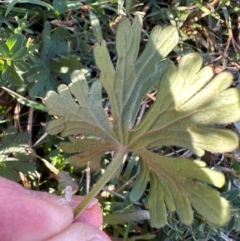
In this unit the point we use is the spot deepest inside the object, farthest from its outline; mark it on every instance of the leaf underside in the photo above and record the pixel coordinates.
(189, 104)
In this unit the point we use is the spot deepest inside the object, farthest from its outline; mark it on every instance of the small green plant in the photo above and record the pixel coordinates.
(49, 64)
(190, 101)
(13, 52)
(14, 154)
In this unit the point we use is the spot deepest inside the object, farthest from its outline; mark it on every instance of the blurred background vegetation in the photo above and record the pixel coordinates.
(43, 42)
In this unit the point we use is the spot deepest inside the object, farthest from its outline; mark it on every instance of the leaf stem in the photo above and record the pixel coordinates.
(107, 176)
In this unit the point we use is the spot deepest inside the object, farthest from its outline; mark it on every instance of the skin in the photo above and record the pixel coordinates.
(37, 216)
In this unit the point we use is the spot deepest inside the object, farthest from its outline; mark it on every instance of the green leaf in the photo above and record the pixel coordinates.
(126, 216)
(155, 203)
(96, 27)
(49, 68)
(141, 183)
(6, 73)
(14, 43)
(190, 101)
(22, 66)
(42, 80)
(128, 84)
(231, 194)
(74, 5)
(187, 103)
(46, 38)
(15, 78)
(19, 54)
(11, 168)
(177, 181)
(64, 67)
(25, 101)
(2, 64)
(147, 236)
(36, 2)
(4, 51)
(60, 6)
(86, 151)
(53, 44)
(14, 156)
(87, 117)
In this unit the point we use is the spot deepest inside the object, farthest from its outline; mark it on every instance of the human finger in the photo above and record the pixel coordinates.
(92, 214)
(29, 215)
(80, 232)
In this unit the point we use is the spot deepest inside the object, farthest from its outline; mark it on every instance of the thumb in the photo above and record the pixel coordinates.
(81, 232)
(29, 215)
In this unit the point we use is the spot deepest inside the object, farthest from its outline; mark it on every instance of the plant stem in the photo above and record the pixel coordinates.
(107, 176)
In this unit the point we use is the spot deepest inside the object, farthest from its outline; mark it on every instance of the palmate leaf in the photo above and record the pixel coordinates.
(43, 76)
(88, 150)
(189, 99)
(14, 157)
(87, 117)
(128, 84)
(189, 102)
(174, 182)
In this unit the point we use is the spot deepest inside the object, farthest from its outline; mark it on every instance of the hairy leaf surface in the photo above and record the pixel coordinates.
(190, 102)
(88, 150)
